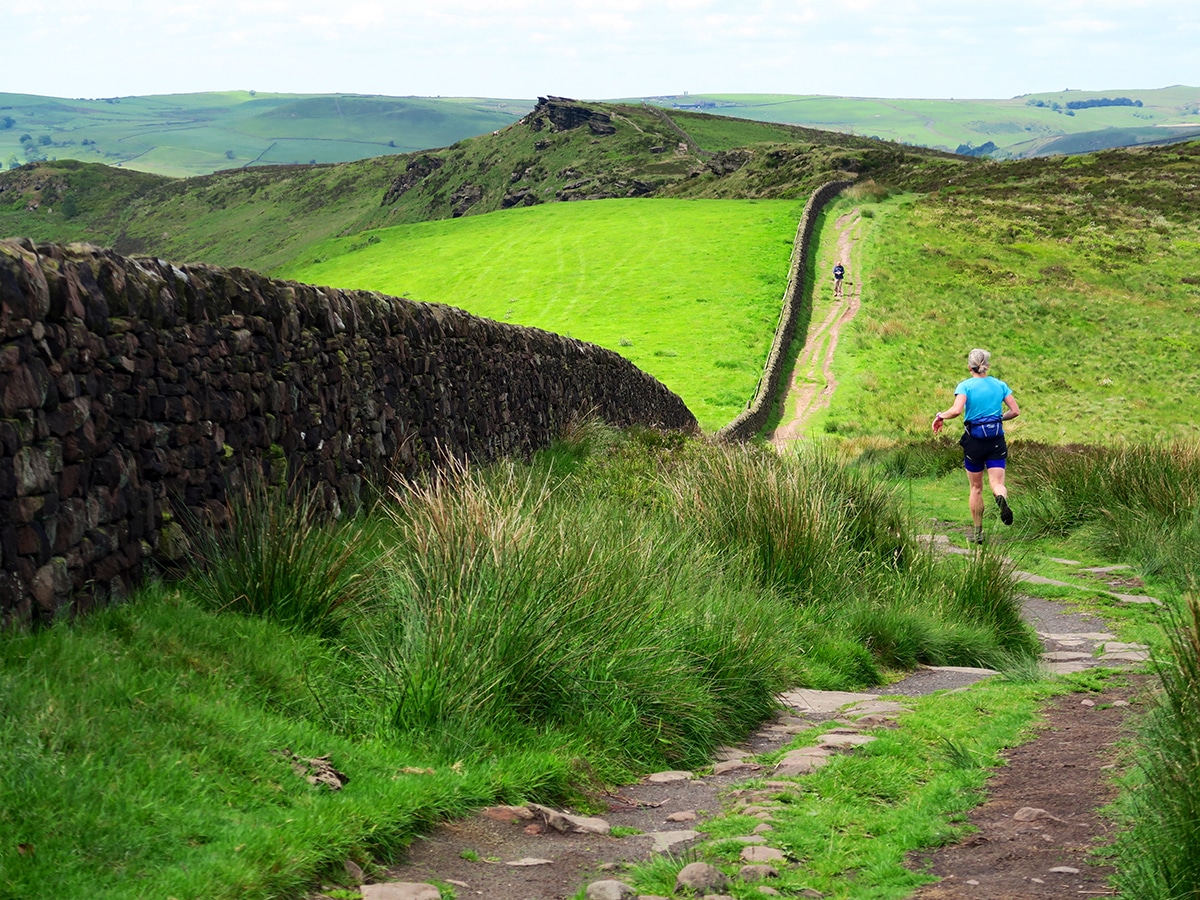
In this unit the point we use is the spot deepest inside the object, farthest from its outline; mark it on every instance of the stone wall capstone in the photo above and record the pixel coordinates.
(750, 421)
(130, 388)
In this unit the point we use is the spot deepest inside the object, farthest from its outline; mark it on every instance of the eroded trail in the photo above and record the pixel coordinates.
(812, 382)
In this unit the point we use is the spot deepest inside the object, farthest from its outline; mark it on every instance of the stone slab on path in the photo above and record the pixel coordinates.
(810, 702)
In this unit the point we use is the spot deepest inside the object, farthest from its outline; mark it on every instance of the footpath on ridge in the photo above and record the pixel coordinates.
(811, 384)
(1036, 831)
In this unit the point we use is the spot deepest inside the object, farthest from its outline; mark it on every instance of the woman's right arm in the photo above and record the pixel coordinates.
(960, 402)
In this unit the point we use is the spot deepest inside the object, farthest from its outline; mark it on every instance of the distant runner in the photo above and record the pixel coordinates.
(986, 403)
(839, 272)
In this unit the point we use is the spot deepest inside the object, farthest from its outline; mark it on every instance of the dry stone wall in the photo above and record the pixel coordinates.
(130, 388)
(750, 421)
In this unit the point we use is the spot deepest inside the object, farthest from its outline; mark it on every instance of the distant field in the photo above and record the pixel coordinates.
(688, 290)
(193, 134)
(1013, 125)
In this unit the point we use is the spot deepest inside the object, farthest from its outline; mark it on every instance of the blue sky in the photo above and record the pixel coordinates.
(598, 50)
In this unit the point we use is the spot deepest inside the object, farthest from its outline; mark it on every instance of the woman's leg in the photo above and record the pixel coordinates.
(975, 480)
(996, 482)
(1000, 492)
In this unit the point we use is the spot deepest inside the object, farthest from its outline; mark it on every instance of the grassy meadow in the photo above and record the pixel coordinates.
(526, 631)
(1089, 306)
(688, 290)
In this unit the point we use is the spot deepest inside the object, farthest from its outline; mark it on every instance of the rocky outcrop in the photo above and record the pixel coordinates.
(594, 189)
(564, 114)
(133, 390)
(463, 198)
(728, 161)
(522, 197)
(417, 170)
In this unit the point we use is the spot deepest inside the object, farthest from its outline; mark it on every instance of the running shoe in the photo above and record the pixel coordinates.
(1006, 515)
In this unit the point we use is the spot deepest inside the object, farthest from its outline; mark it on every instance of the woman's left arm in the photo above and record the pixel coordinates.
(1013, 410)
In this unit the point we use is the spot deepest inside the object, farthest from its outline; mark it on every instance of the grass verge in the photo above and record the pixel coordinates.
(533, 630)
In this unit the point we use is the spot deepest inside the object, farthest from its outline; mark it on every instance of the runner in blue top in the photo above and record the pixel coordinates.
(839, 272)
(985, 404)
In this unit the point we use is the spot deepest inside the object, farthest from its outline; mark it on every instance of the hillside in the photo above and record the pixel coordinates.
(195, 134)
(1028, 125)
(1030, 244)
(1081, 274)
(264, 217)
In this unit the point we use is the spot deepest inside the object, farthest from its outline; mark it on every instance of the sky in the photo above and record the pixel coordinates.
(598, 49)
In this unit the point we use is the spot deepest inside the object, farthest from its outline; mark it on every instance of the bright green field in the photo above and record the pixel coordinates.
(687, 290)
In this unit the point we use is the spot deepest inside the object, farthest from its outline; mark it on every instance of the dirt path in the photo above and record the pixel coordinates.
(1062, 776)
(812, 383)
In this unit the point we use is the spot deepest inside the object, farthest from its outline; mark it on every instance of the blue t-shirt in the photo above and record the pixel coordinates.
(985, 398)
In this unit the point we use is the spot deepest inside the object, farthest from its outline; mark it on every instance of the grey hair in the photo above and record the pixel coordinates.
(979, 360)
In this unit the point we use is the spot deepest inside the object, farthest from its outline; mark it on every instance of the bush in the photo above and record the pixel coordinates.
(511, 610)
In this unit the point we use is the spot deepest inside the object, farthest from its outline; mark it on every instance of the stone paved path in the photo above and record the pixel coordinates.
(533, 853)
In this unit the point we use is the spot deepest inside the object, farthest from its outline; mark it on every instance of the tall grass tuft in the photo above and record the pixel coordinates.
(1137, 502)
(1161, 852)
(279, 557)
(1087, 483)
(512, 610)
(984, 591)
(806, 526)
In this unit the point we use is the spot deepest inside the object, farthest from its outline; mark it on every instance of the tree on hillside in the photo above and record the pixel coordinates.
(7, 122)
(45, 140)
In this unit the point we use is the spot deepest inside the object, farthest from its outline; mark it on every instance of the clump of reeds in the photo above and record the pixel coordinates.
(1160, 854)
(512, 609)
(277, 554)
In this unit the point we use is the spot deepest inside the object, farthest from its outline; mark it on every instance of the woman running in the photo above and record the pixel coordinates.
(985, 403)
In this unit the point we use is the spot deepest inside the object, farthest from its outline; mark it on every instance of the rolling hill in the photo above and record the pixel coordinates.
(195, 134)
(265, 216)
(1028, 125)
(1029, 240)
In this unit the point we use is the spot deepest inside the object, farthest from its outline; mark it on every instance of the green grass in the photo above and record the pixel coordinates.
(689, 291)
(142, 754)
(1013, 124)
(1159, 850)
(532, 631)
(850, 829)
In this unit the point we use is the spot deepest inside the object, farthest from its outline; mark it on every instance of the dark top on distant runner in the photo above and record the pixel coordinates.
(838, 271)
